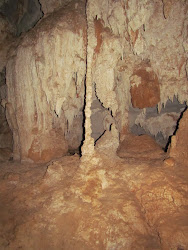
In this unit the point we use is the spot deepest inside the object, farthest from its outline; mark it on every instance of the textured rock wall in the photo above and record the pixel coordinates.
(45, 79)
(22, 15)
(5, 132)
(140, 60)
(5, 42)
(179, 144)
(49, 6)
(141, 55)
(6, 31)
(162, 40)
(159, 125)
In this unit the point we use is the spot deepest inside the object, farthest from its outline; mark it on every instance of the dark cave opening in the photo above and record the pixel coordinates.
(159, 125)
(176, 129)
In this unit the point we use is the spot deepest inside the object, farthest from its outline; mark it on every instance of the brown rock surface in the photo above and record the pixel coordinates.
(6, 139)
(145, 89)
(179, 142)
(142, 146)
(140, 43)
(5, 154)
(131, 203)
(48, 6)
(6, 31)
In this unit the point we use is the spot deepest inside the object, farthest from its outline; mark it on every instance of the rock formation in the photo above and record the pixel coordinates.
(49, 6)
(5, 132)
(87, 76)
(22, 15)
(6, 36)
(179, 142)
(46, 95)
(88, 146)
(139, 61)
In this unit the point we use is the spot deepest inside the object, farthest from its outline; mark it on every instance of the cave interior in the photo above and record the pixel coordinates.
(94, 124)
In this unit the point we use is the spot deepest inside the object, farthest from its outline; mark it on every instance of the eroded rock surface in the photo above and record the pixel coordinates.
(138, 201)
(132, 203)
(140, 60)
(179, 142)
(49, 6)
(160, 125)
(6, 31)
(46, 95)
(6, 139)
(145, 88)
(22, 15)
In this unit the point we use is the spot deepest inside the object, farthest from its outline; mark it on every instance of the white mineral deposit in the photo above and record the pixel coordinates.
(93, 124)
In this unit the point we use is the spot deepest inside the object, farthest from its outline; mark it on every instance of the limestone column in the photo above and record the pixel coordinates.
(88, 145)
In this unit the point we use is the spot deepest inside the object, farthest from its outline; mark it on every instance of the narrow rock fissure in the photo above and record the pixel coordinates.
(90, 90)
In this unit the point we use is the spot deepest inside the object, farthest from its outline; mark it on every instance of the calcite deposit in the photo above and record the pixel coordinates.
(46, 95)
(96, 98)
(139, 59)
(137, 202)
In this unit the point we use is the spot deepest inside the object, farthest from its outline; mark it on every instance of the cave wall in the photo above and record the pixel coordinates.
(22, 15)
(178, 148)
(6, 139)
(49, 6)
(6, 35)
(161, 126)
(140, 61)
(45, 78)
(143, 55)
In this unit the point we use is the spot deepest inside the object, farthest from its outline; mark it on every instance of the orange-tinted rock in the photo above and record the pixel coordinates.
(139, 146)
(170, 162)
(145, 89)
(98, 30)
(45, 148)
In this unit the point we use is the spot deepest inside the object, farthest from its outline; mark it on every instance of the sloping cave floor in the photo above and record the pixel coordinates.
(132, 201)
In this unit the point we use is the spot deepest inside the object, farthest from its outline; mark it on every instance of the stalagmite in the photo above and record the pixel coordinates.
(117, 61)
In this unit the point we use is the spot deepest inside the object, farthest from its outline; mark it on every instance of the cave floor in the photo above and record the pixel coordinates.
(132, 202)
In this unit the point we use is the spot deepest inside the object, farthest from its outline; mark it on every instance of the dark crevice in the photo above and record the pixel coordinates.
(163, 9)
(172, 110)
(177, 127)
(83, 121)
